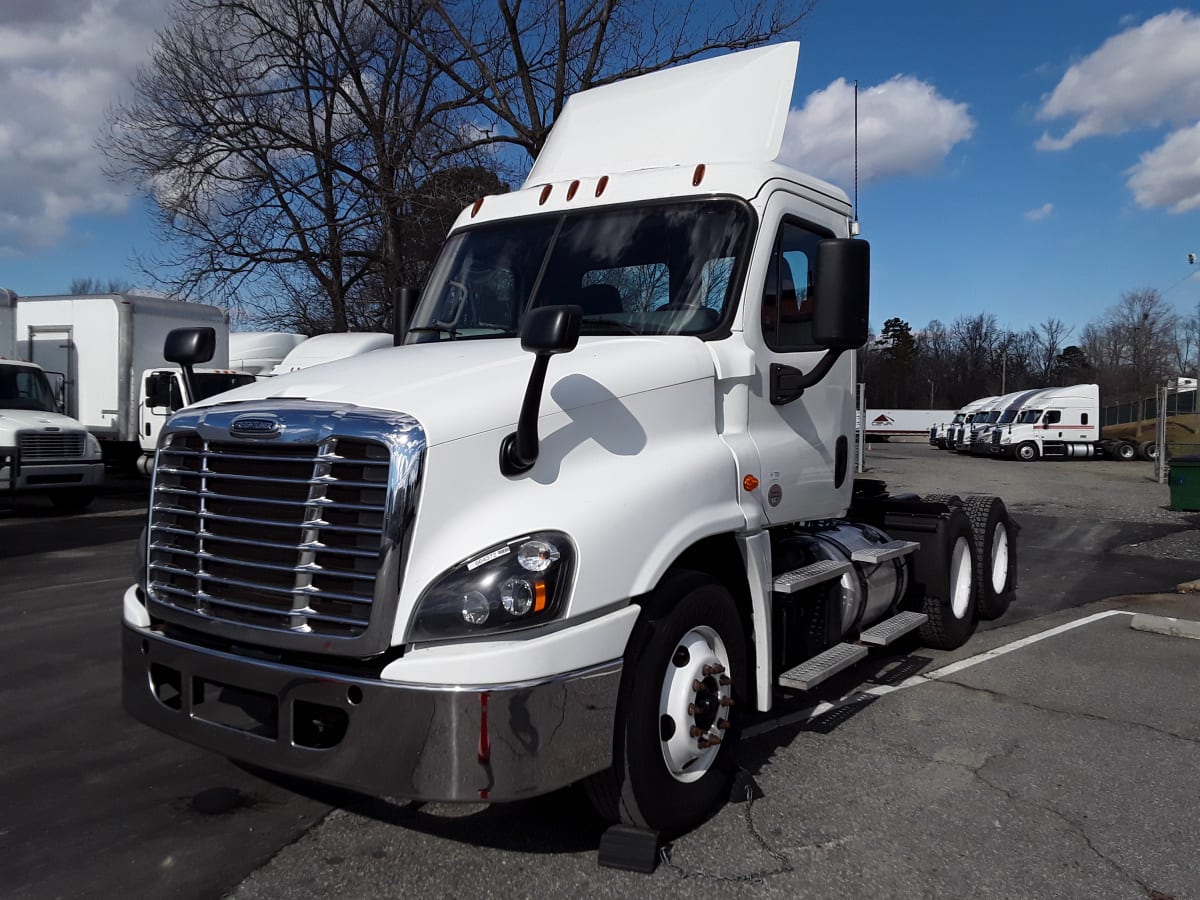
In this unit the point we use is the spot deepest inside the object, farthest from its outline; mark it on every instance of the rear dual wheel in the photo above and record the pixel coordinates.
(951, 603)
(995, 557)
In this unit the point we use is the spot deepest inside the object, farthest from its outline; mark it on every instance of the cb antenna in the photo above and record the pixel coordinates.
(854, 226)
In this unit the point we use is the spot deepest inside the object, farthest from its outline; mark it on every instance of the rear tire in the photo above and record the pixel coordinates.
(1027, 452)
(1148, 450)
(72, 500)
(995, 561)
(952, 618)
(665, 775)
(1125, 451)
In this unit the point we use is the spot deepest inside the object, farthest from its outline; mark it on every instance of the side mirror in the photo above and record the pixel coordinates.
(190, 346)
(551, 329)
(546, 331)
(841, 313)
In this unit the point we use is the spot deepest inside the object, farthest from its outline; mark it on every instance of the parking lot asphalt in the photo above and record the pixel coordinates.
(1066, 768)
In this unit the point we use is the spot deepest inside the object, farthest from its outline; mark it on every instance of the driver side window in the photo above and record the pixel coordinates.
(787, 305)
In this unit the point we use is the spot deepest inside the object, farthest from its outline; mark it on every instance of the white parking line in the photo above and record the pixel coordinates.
(881, 690)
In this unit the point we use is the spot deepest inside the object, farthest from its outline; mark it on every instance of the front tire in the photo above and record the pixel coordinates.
(995, 560)
(1027, 452)
(72, 500)
(683, 685)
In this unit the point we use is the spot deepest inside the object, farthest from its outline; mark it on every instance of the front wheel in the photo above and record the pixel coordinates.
(1027, 452)
(678, 715)
(72, 500)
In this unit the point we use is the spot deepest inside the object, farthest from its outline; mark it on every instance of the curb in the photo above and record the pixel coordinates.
(1171, 627)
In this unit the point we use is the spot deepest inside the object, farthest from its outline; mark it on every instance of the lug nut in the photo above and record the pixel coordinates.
(691, 709)
(696, 731)
(697, 685)
(724, 725)
(714, 669)
(725, 701)
(724, 681)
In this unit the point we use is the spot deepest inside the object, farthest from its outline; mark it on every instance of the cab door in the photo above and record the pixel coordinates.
(804, 446)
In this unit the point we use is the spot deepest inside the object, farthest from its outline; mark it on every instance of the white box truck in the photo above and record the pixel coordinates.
(41, 450)
(107, 347)
(596, 509)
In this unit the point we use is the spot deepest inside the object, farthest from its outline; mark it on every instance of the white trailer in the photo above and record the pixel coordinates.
(883, 423)
(259, 352)
(592, 514)
(105, 346)
(42, 451)
(323, 348)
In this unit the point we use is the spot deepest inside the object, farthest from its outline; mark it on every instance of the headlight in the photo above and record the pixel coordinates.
(518, 584)
(91, 446)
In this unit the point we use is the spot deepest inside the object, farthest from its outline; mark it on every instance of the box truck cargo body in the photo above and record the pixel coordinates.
(102, 345)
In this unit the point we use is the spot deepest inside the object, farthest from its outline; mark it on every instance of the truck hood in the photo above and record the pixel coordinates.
(459, 388)
(12, 420)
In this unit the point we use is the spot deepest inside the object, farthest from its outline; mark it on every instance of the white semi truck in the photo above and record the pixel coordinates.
(1003, 412)
(1060, 423)
(323, 348)
(108, 348)
(959, 435)
(393, 573)
(42, 451)
(259, 352)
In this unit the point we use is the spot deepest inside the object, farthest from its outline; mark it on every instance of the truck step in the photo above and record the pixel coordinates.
(807, 576)
(890, 629)
(882, 552)
(813, 671)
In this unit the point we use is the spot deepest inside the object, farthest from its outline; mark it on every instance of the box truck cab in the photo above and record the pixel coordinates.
(164, 391)
(596, 509)
(41, 451)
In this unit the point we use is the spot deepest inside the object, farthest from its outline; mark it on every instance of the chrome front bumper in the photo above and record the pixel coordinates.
(49, 476)
(499, 742)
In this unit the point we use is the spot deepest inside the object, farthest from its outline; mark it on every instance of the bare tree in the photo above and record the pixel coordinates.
(515, 63)
(294, 147)
(98, 286)
(1049, 338)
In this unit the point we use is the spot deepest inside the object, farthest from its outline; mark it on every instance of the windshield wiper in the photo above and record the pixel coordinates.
(624, 326)
(439, 329)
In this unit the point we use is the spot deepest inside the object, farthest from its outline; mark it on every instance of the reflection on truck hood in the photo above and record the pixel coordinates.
(459, 388)
(35, 419)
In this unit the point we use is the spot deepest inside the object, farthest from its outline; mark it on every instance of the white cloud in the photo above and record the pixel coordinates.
(904, 127)
(1036, 215)
(1145, 76)
(62, 64)
(1169, 175)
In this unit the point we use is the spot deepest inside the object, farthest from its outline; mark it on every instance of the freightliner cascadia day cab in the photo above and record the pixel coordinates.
(41, 450)
(597, 508)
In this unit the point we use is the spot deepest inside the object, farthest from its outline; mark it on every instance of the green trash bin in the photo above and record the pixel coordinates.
(1185, 483)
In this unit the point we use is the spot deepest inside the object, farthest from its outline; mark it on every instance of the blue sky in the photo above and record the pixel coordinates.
(1029, 159)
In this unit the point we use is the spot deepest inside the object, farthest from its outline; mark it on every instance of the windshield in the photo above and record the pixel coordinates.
(667, 268)
(24, 387)
(958, 419)
(1010, 415)
(1029, 416)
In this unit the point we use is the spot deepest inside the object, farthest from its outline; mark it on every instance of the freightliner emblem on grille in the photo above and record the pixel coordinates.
(254, 426)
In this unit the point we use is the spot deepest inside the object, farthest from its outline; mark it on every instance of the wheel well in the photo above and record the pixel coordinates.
(720, 557)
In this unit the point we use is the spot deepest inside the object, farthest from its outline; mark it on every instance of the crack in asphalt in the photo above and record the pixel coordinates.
(1053, 710)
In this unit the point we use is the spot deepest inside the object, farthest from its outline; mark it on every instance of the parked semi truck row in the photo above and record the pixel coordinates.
(584, 520)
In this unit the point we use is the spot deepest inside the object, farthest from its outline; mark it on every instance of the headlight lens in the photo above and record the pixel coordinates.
(91, 446)
(518, 584)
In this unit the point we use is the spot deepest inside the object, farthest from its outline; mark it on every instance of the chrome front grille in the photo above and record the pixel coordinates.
(295, 535)
(38, 446)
